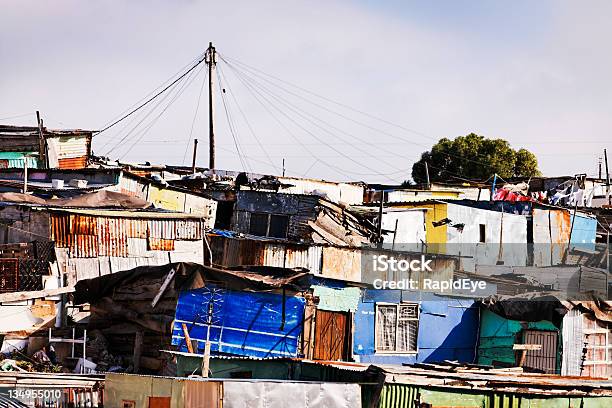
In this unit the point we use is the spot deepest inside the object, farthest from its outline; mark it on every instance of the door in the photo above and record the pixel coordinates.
(159, 402)
(331, 335)
(546, 358)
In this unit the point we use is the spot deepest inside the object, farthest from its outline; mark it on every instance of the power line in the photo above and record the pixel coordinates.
(195, 115)
(23, 115)
(180, 91)
(244, 117)
(325, 129)
(231, 126)
(255, 71)
(376, 172)
(151, 98)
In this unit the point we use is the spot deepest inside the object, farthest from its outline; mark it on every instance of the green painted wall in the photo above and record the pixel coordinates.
(498, 335)
(404, 396)
(16, 160)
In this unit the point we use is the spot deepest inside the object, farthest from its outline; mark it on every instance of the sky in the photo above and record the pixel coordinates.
(339, 90)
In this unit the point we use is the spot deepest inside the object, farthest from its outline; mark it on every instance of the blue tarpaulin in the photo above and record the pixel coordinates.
(241, 323)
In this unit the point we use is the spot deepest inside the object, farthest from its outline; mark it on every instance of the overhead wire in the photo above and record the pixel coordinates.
(195, 115)
(231, 126)
(328, 125)
(178, 93)
(262, 73)
(130, 113)
(23, 115)
(244, 117)
(142, 120)
(323, 142)
(280, 122)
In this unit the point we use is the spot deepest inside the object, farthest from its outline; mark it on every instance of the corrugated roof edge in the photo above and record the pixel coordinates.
(120, 213)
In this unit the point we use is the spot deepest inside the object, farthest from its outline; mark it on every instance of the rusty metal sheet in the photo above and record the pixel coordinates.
(9, 275)
(60, 230)
(274, 255)
(188, 229)
(160, 244)
(198, 394)
(73, 163)
(341, 263)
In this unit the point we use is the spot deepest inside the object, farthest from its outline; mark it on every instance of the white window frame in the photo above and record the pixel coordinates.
(376, 328)
(607, 332)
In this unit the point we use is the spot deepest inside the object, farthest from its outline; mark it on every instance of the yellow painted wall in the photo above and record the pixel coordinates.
(167, 199)
(435, 212)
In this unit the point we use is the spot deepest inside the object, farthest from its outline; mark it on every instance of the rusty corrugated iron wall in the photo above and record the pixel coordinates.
(89, 236)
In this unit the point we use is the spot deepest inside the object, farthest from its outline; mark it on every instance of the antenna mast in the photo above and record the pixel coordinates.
(211, 61)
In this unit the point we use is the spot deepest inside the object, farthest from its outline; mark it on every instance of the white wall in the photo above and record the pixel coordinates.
(500, 228)
(410, 228)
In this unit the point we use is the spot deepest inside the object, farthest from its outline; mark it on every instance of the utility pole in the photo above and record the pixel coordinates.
(41, 141)
(427, 176)
(211, 61)
(599, 165)
(607, 178)
(195, 154)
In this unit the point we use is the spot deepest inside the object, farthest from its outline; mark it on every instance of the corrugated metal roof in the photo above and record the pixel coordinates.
(124, 213)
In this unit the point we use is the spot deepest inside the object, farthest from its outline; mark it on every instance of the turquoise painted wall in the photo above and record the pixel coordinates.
(15, 160)
(498, 335)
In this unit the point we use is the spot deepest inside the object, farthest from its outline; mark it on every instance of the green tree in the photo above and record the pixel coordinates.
(474, 157)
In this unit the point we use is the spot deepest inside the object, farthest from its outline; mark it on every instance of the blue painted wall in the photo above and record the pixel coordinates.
(244, 323)
(584, 232)
(448, 328)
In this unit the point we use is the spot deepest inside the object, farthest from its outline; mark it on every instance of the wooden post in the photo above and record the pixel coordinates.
(195, 154)
(394, 234)
(25, 173)
(523, 349)
(187, 338)
(380, 214)
(138, 340)
(607, 177)
(41, 142)
(206, 359)
(211, 60)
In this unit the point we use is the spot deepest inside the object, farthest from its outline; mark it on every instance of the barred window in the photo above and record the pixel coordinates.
(397, 327)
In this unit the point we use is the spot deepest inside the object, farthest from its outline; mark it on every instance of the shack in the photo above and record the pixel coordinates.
(139, 312)
(91, 242)
(122, 390)
(36, 147)
(397, 327)
(298, 218)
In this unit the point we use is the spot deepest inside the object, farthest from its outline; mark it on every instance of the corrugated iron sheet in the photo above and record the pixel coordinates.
(90, 236)
(73, 163)
(9, 275)
(73, 147)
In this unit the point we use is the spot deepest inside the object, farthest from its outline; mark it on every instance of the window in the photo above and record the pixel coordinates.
(397, 327)
(483, 233)
(269, 225)
(259, 224)
(278, 226)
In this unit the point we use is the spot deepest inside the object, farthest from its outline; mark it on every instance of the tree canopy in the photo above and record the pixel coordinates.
(474, 157)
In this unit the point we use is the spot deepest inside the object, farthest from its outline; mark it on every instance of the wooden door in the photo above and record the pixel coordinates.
(331, 335)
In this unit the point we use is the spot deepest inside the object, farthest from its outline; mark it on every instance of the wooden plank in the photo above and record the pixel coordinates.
(187, 338)
(532, 347)
(163, 287)
(138, 339)
(36, 294)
